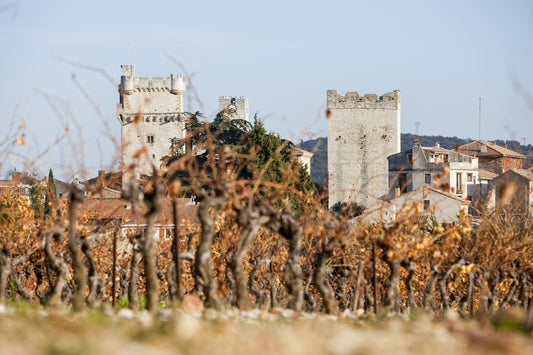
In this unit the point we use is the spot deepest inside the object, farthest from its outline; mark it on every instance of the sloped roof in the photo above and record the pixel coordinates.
(114, 209)
(493, 150)
(437, 149)
(485, 174)
(299, 152)
(447, 194)
(527, 173)
(111, 180)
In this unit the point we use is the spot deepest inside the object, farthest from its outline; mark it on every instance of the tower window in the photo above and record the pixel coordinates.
(150, 139)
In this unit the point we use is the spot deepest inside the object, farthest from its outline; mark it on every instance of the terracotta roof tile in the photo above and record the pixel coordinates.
(485, 174)
(474, 148)
(113, 209)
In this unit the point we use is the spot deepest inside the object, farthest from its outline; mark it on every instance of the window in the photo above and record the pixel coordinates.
(150, 139)
(427, 203)
(459, 182)
(428, 179)
(469, 177)
(403, 182)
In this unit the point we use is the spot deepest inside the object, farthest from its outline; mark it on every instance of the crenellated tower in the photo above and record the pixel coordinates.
(151, 114)
(362, 132)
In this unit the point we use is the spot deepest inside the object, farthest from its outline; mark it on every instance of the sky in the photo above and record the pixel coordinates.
(60, 66)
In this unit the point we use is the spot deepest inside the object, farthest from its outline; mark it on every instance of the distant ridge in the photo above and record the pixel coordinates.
(319, 146)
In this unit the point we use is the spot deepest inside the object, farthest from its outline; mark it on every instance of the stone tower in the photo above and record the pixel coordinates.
(150, 113)
(362, 132)
(235, 107)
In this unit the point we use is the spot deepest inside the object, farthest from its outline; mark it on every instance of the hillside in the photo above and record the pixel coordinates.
(319, 162)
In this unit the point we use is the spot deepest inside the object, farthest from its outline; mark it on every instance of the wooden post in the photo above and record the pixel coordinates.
(375, 276)
(176, 246)
(114, 272)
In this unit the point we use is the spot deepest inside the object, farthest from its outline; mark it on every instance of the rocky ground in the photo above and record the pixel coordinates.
(37, 331)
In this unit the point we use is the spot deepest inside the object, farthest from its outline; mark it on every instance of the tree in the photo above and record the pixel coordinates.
(50, 200)
(256, 155)
(35, 199)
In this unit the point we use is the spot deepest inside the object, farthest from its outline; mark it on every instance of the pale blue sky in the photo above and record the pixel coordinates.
(283, 55)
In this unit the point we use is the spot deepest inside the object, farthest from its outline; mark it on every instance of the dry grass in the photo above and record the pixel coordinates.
(38, 332)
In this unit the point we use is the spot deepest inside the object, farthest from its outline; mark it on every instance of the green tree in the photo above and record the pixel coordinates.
(35, 199)
(50, 200)
(257, 155)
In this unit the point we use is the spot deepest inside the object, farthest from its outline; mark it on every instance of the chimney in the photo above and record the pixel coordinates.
(437, 145)
(101, 172)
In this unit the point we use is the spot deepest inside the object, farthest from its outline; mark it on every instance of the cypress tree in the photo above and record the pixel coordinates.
(35, 199)
(50, 200)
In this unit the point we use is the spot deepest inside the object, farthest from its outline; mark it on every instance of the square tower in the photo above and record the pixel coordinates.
(151, 114)
(234, 107)
(362, 132)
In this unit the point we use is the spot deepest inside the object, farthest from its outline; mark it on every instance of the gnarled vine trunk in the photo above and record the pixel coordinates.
(251, 218)
(203, 266)
(57, 265)
(153, 202)
(78, 268)
(292, 231)
(322, 283)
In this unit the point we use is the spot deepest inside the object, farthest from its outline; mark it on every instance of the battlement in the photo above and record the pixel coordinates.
(352, 100)
(129, 83)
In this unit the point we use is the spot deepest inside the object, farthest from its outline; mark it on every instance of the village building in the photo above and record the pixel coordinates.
(18, 184)
(446, 170)
(303, 157)
(21, 183)
(514, 192)
(105, 217)
(492, 157)
(104, 186)
(424, 204)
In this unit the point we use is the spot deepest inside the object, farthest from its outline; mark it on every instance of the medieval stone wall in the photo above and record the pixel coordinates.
(234, 107)
(362, 132)
(151, 114)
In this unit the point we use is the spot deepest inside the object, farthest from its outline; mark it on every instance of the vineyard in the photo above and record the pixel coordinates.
(257, 239)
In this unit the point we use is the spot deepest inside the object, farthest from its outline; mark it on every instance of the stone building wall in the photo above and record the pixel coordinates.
(234, 107)
(362, 132)
(151, 114)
